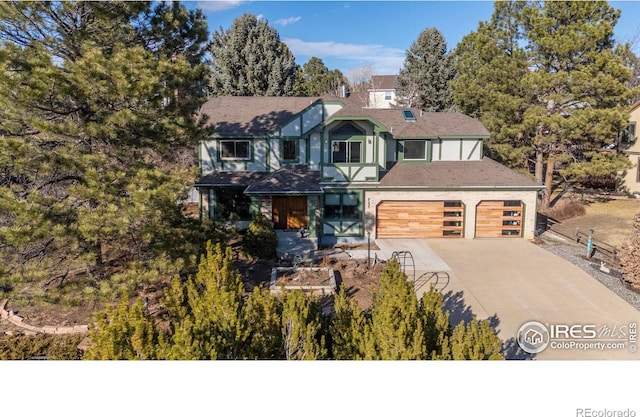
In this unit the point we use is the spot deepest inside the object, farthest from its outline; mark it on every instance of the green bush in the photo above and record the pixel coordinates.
(261, 240)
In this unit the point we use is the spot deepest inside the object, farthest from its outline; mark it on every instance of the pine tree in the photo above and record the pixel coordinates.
(123, 332)
(214, 326)
(315, 79)
(96, 136)
(260, 241)
(395, 329)
(250, 60)
(346, 328)
(490, 64)
(302, 328)
(263, 316)
(559, 100)
(475, 340)
(423, 80)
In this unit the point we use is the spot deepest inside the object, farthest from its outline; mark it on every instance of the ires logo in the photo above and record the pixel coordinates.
(534, 337)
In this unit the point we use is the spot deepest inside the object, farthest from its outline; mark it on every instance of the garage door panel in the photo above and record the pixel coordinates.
(499, 218)
(419, 219)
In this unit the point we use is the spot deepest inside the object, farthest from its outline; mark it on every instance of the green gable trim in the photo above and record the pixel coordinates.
(372, 120)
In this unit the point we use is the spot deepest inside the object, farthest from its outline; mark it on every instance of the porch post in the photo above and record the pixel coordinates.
(312, 205)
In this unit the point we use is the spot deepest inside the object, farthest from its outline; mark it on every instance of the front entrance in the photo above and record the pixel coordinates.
(290, 213)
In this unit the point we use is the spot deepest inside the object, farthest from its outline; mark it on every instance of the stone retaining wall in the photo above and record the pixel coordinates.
(18, 321)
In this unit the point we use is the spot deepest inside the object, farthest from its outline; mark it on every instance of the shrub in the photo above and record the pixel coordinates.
(261, 240)
(566, 209)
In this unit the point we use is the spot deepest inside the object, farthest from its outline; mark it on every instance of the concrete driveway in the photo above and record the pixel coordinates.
(513, 281)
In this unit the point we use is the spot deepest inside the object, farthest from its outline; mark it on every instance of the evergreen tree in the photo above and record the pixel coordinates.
(475, 340)
(318, 80)
(123, 332)
(490, 65)
(263, 315)
(250, 60)
(213, 326)
(558, 101)
(395, 330)
(302, 328)
(260, 241)
(346, 328)
(423, 81)
(96, 136)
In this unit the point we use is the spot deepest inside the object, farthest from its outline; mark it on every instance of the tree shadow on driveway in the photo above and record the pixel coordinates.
(459, 311)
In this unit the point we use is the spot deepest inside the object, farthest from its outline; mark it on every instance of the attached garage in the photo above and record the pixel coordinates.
(499, 218)
(419, 219)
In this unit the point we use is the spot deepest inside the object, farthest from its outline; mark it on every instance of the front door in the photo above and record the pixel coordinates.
(290, 212)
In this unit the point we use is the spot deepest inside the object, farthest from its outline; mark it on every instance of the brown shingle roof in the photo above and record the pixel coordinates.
(426, 125)
(383, 82)
(252, 116)
(453, 174)
(258, 116)
(294, 179)
(231, 178)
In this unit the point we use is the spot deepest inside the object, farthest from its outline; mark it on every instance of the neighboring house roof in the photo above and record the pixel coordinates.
(291, 179)
(252, 115)
(453, 174)
(383, 82)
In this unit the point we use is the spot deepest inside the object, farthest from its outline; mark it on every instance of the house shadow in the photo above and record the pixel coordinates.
(459, 312)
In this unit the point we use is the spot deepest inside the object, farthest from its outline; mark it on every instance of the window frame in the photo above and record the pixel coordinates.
(388, 95)
(404, 150)
(348, 151)
(295, 150)
(357, 215)
(235, 156)
(234, 195)
(629, 135)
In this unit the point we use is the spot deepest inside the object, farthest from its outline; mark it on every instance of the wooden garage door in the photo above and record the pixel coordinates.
(499, 218)
(422, 219)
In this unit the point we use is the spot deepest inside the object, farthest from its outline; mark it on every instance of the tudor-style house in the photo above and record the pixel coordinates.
(345, 173)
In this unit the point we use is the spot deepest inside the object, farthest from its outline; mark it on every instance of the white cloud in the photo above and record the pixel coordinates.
(383, 59)
(288, 20)
(218, 5)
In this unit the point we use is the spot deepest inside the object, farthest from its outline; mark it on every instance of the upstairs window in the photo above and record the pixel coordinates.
(343, 152)
(388, 95)
(415, 150)
(235, 149)
(289, 150)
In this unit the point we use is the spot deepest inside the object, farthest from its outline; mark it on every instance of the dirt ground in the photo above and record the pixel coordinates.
(359, 281)
(611, 220)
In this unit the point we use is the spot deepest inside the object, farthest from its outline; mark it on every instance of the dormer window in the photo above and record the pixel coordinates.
(388, 95)
(408, 116)
(415, 150)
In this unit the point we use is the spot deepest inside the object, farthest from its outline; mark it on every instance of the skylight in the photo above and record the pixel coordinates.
(408, 116)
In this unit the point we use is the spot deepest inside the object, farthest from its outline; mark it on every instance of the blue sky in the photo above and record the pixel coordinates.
(352, 34)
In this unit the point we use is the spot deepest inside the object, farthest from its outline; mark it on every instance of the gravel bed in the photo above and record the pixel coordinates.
(576, 255)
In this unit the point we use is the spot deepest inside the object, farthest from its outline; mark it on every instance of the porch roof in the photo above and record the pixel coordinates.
(288, 180)
(230, 179)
